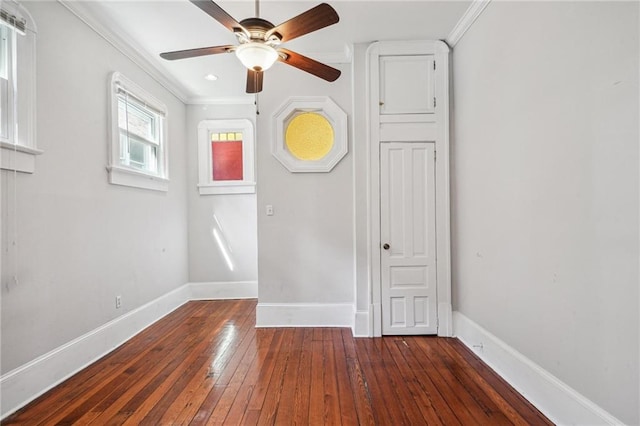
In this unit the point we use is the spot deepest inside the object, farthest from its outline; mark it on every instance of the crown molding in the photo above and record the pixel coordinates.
(475, 9)
(237, 100)
(128, 48)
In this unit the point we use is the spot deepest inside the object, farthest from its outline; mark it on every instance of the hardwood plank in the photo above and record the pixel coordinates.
(378, 402)
(348, 412)
(285, 412)
(507, 398)
(409, 392)
(72, 392)
(247, 381)
(200, 372)
(426, 386)
(316, 388)
(142, 370)
(357, 381)
(206, 363)
(274, 390)
(303, 382)
(138, 399)
(330, 384)
(455, 397)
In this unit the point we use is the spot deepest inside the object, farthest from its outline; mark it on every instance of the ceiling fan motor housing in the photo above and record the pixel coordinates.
(258, 29)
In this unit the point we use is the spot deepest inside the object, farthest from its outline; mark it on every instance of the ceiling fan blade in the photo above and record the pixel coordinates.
(216, 12)
(254, 81)
(192, 53)
(309, 65)
(313, 19)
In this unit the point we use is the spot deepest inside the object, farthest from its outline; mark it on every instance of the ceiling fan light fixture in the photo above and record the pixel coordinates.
(256, 56)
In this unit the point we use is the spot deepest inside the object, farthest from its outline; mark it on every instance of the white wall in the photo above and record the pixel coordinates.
(236, 213)
(81, 241)
(546, 187)
(305, 250)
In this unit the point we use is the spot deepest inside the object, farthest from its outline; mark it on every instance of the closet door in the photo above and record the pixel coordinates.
(408, 234)
(407, 84)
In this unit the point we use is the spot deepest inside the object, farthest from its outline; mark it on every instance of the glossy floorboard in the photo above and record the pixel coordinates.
(206, 363)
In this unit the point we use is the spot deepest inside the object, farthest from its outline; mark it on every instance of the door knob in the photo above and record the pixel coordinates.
(386, 246)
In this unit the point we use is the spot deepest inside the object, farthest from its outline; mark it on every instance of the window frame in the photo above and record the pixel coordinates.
(18, 153)
(206, 184)
(122, 173)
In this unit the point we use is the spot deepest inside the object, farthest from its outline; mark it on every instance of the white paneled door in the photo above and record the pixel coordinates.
(407, 230)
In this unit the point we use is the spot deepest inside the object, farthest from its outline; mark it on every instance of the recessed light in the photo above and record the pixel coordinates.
(211, 77)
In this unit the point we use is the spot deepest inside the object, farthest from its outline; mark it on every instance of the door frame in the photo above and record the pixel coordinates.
(443, 224)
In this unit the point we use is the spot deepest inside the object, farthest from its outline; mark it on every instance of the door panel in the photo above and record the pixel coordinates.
(407, 225)
(406, 84)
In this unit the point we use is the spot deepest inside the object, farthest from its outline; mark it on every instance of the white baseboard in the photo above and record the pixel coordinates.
(555, 399)
(304, 315)
(361, 324)
(25, 383)
(445, 319)
(224, 290)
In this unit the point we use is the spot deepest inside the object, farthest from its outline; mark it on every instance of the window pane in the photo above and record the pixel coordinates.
(4, 108)
(227, 160)
(4, 51)
(136, 121)
(136, 153)
(4, 81)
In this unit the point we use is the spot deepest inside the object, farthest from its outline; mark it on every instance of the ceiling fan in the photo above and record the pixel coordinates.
(259, 42)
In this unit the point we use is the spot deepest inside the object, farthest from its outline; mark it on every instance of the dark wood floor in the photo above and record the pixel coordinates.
(206, 363)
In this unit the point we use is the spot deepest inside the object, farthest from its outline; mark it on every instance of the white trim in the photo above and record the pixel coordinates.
(18, 157)
(129, 177)
(27, 382)
(227, 188)
(304, 315)
(240, 100)
(82, 10)
(443, 238)
(206, 184)
(324, 106)
(361, 324)
(19, 150)
(120, 174)
(224, 290)
(554, 398)
(475, 9)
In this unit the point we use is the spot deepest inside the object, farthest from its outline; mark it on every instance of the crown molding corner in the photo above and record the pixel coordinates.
(82, 10)
(472, 13)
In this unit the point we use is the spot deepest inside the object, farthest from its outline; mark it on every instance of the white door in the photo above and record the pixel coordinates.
(407, 230)
(407, 84)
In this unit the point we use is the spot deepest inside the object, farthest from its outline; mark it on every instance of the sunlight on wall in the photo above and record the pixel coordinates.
(218, 235)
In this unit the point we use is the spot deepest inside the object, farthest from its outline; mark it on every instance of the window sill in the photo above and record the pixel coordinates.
(227, 188)
(136, 179)
(18, 157)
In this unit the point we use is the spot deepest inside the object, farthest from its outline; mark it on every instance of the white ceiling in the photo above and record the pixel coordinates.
(152, 27)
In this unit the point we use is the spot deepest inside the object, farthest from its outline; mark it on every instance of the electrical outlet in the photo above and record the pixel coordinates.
(118, 302)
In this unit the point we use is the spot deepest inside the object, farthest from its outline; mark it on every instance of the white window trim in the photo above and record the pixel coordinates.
(128, 176)
(206, 184)
(19, 155)
(324, 106)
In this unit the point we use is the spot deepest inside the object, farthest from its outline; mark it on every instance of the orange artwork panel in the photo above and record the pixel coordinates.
(227, 160)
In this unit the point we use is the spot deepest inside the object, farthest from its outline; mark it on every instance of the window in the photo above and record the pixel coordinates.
(17, 88)
(138, 151)
(226, 157)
